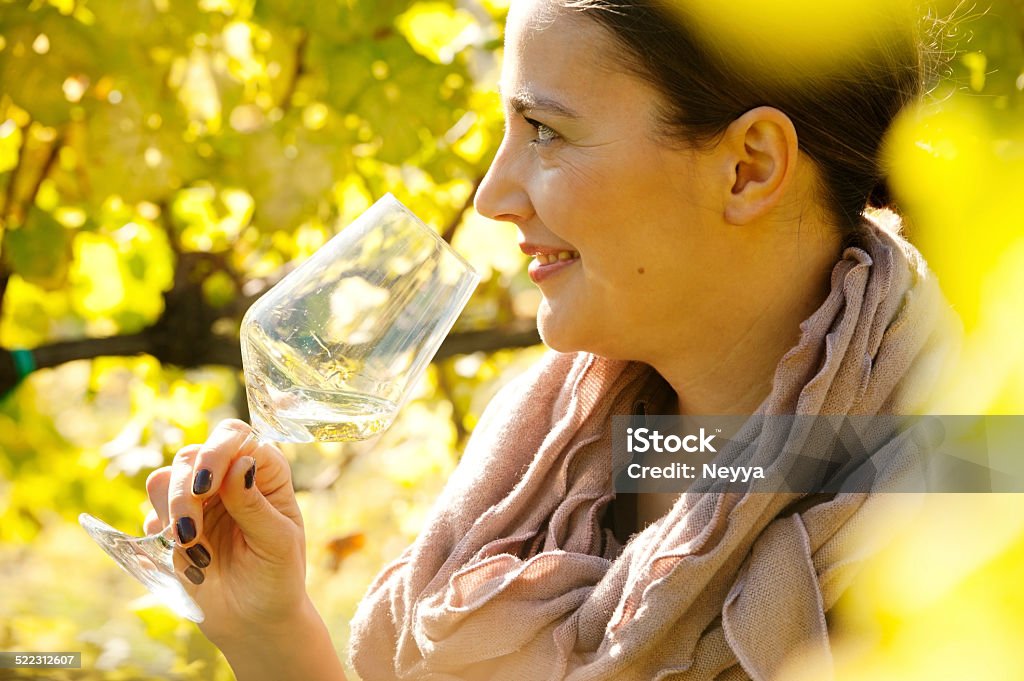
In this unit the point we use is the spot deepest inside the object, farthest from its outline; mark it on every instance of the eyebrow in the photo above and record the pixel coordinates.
(523, 101)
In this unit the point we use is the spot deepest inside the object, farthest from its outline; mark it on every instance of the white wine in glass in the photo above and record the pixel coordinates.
(330, 353)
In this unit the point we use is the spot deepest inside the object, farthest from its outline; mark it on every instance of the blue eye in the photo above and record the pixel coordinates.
(545, 135)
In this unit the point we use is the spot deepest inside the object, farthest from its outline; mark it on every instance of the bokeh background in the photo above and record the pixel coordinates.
(163, 162)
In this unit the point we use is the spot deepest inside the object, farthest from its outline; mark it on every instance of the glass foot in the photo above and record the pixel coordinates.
(149, 560)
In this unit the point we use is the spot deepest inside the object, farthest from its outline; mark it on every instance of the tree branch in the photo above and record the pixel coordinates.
(51, 159)
(183, 336)
(10, 194)
(449, 392)
(300, 69)
(49, 356)
(166, 223)
(519, 334)
(5, 278)
(227, 351)
(12, 212)
(449, 232)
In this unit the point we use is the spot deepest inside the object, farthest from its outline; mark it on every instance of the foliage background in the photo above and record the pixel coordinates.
(163, 161)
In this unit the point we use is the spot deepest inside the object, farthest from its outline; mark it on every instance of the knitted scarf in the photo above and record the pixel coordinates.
(515, 578)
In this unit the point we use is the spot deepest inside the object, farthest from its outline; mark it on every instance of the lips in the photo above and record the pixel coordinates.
(548, 260)
(560, 256)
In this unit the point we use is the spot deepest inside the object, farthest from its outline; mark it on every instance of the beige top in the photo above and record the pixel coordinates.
(516, 577)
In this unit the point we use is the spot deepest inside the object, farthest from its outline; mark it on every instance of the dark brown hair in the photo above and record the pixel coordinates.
(840, 115)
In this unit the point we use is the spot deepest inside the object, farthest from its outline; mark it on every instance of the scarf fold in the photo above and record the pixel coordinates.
(514, 577)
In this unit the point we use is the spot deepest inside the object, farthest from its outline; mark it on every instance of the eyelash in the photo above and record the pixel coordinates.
(545, 135)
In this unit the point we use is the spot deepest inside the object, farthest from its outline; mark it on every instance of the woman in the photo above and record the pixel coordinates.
(689, 219)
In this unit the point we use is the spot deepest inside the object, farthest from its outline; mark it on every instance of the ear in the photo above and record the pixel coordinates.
(759, 152)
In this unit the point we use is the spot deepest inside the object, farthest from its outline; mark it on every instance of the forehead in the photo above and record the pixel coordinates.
(549, 49)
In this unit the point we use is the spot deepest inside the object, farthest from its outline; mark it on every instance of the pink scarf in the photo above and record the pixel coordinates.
(515, 578)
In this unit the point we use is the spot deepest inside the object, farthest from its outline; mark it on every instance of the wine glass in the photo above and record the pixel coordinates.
(330, 353)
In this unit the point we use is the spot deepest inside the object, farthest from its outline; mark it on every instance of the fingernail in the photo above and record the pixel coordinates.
(199, 555)
(202, 482)
(195, 575)
(250, 476)
(186, 529)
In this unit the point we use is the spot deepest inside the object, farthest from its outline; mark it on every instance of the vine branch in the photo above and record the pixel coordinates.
(9, 195)
(224, 351)
(449, 232)
(300, 68)
(51, 159)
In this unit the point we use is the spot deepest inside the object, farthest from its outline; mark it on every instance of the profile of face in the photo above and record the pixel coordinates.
(655, 243)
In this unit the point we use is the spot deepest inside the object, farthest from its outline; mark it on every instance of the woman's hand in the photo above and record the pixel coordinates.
(240, 534)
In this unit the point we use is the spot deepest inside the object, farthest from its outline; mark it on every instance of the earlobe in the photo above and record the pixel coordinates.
(762, 146)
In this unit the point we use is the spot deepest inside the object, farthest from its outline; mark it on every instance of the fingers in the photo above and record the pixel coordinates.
(231, 441)
(244, 497)
(227, 442)
(157, 485)
(196, 474)
(183, 567)
(152, 523)
(185, 510)
(236, 473)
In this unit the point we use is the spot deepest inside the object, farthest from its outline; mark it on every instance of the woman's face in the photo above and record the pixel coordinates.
(582, 171)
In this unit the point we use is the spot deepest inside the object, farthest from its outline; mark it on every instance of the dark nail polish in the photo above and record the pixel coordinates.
(199, 555)
(250, 476)
(202, 482)
(195, 575)
(186, 530)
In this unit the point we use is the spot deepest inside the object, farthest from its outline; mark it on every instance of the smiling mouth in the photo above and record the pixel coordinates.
(546, 265)
(560, 256)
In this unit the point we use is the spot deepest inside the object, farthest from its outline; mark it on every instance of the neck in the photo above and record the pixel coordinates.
(729, 370)
(735, 376)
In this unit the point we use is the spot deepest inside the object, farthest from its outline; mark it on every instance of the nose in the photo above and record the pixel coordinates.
(502, 193)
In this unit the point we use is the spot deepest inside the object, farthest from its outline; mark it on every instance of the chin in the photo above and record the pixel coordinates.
(569, 334)
(563, 333)
(555, 342)
(552, 330)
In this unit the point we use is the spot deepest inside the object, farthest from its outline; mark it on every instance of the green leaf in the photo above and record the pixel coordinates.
(39, 250)
(43, 50)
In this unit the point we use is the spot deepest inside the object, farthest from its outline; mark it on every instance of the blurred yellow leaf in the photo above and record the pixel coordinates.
(10, 144)
(97, 276)
(792, 38)
(434, 29)
(489, 245)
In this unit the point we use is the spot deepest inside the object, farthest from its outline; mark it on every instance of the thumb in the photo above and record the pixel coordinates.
(262, 524)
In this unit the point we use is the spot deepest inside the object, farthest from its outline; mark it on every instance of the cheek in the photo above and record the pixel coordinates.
(575, 189)
(584, 171)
